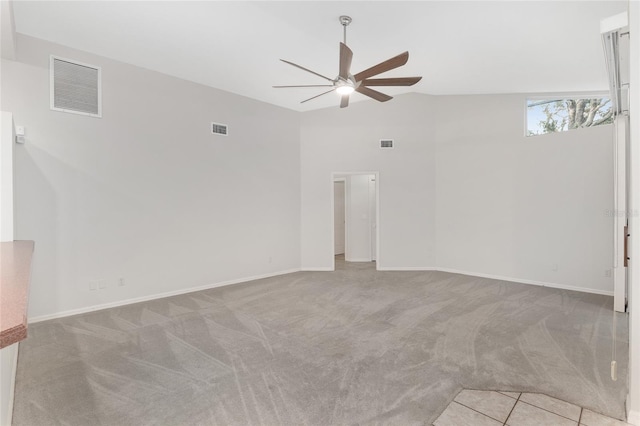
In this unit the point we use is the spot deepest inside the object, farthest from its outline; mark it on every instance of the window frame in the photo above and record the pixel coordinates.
(557, 95)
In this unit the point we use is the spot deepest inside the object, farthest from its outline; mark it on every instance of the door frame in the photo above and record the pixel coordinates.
(620, 211)
(344, 180)
(342, 175)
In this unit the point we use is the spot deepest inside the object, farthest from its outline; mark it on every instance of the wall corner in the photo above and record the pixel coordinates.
(8, 30)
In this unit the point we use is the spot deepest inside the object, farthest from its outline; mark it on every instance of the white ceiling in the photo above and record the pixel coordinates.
(458, 47)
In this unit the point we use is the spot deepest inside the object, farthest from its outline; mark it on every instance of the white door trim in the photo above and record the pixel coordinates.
(619, 212)
(341, 175)
(343, 180)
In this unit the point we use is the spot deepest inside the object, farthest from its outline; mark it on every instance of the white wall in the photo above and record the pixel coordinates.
(347, 140)
(358, 219)
(7, 137)
(7, 30)
(633, 405)
(8, 355)
(513, 206)
(147, 193)
(8, 364)
(465, 190)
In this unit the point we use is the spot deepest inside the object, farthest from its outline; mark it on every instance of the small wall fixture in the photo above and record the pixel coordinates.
(20, 135)
(386, 143)
(219, 129)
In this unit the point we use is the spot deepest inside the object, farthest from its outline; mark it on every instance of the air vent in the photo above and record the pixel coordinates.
(75, 87)
(386, 143)
(219, 129)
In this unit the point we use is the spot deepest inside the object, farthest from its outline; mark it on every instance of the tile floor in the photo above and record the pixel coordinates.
(495, 408)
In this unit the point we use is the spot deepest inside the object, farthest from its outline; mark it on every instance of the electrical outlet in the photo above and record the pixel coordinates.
(93, 285)
(270, 259)
(121, 282)
(102, 284)
(607, 273)
(554, 267)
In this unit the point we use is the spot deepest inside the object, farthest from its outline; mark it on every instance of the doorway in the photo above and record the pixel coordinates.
(356, 216)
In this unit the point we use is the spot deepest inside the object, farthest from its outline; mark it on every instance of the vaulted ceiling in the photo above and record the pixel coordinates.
(458, 47)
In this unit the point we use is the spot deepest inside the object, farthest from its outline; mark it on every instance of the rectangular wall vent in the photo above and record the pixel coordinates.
(75, 87)
(219, 129)
(386, 143)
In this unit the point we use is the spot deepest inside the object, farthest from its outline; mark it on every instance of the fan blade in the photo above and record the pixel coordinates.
(345, 61)
(400, 81)
(307, 85)
(374, 94)
(317, 96)
(306, 69)
(344, 102)
(389, 64)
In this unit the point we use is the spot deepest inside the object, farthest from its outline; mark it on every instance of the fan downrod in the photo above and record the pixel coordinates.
(345, 21)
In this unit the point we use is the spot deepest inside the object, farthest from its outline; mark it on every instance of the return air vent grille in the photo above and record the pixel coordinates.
(386, 143)
(75, 87)
(219, 129)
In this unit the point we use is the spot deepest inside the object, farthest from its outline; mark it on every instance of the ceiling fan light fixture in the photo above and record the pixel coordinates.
(346, 89)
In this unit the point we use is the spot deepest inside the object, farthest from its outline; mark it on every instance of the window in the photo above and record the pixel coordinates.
(552, 115)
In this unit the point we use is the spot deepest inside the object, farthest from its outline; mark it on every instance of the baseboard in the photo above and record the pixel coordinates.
(155, 296)
(525, 281)
(358, 259)
(633, 417)
(407, 268)
(306, 269)
(477, 274)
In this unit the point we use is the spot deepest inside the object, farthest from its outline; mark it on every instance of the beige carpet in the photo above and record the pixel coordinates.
(344, 347)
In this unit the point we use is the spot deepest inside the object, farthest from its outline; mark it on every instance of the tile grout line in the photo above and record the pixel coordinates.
(559, 415)
(479, 412)
(503, 393)
(518, 399)
(512, 408)
(580, 418)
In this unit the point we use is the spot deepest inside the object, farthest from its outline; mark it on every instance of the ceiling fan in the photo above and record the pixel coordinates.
(346, 83)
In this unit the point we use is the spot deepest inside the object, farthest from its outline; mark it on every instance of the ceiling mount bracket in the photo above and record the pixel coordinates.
(345, 20)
